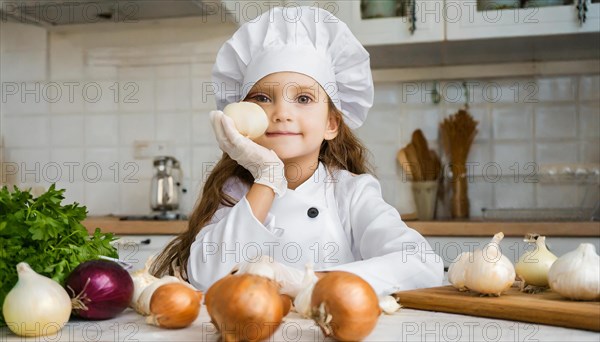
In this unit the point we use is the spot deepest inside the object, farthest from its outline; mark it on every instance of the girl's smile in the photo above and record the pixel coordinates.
(275, 134)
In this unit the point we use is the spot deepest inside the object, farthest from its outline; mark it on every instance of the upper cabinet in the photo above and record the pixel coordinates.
(380, 22)
(474, 19)
(384, 22)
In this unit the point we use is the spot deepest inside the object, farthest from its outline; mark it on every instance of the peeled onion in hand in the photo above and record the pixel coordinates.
(249, 118)
(245, 307)
(174, 306)
(345, 306)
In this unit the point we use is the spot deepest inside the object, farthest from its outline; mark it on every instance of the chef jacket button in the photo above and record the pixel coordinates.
(312, 212)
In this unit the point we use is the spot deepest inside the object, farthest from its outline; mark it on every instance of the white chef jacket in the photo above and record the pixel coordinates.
(336, 221)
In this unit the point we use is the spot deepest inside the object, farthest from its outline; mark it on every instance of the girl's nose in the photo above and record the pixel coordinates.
(281, 112)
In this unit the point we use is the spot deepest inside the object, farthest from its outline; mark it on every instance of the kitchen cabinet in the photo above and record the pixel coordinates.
(453, 20)
(472, 19)
(377, 25)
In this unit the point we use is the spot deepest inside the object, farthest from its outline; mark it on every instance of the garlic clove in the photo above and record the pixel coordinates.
(457, 270)
(389, 304)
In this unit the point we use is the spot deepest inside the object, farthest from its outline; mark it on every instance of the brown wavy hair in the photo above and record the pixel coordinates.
(344, 152)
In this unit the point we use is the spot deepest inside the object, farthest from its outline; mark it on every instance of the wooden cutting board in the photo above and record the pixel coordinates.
(544, 308)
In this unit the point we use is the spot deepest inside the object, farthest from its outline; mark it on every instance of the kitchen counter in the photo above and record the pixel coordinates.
(427, 228)
(404, 325)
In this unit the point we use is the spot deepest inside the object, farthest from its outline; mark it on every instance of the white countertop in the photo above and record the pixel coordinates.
(404, 325)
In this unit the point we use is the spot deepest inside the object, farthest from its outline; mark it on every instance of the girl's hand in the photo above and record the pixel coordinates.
(263, 164)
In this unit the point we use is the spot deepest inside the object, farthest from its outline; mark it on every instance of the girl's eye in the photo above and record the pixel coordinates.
(260, 98)
(304, 99)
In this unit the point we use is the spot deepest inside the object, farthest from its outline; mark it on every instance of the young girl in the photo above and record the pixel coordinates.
(301, 193)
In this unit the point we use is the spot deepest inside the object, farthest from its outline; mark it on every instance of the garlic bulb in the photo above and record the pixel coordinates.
(302, 300)
(490, 273)
(249, 118)
(36, 305)
(288, 278)
(458, 269)
(576, 275)
(141, 280)
(533, 266)
(389, 304)
(262, 266)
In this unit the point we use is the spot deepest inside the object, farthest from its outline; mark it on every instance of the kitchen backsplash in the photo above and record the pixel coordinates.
(76, 104)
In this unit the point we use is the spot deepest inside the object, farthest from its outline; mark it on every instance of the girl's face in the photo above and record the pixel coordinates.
(299, 120)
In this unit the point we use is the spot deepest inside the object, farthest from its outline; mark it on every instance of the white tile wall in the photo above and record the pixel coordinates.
(556, 89)
(544, 120)
(589, 120)
(67, 131)
(555, 120)
(101, 130)
(523, 122)
(512, 122)
(556, 152)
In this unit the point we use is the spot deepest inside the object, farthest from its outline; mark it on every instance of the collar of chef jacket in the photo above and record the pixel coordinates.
(314, 188)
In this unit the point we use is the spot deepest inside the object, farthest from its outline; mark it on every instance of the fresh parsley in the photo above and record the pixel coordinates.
(45, 234)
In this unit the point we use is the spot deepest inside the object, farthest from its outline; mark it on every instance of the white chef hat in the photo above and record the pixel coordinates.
(302, 39)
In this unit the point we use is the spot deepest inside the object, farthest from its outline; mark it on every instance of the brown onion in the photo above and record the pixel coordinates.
(174, 306)
(245, 307)
(287, 304)
(345, 306)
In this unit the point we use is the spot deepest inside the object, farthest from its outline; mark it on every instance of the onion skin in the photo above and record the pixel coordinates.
(107, 294)
(245, 307)
(174, 306)
(36, 305)
(345, 306)
(287, 304)
(533, 266)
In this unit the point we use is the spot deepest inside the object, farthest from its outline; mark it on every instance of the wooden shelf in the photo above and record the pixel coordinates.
(488, 228)
(426, 228)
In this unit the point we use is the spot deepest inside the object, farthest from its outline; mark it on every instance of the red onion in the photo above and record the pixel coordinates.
(100, 289)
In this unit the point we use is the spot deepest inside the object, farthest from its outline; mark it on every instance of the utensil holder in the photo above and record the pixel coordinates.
(425, 195)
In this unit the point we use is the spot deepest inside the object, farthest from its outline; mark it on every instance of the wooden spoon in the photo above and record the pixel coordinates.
(403, 161)
(413, 162)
